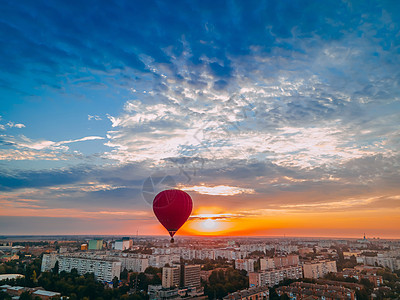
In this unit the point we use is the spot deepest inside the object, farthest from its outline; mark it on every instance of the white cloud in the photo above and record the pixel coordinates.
(91, 186)
(11, 125)
(94, 117)
(16, 125)
(28, 149)
(87, 138)
(219, 190)
(308, 108)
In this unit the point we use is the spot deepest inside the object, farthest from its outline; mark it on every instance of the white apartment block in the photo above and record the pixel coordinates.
(245, 264)
(133, 264)
(224, 253)
(230, 254)
(318, 269)
(239, 254)
(123, 244)
(252, 247)
(381, 260)
(166, 250)
(275, 276)
(196, 253)
(206, 254)
(267, 264)
(104, 270)
(159, 261)
(287, 248)
(48, 262)
(188, 253)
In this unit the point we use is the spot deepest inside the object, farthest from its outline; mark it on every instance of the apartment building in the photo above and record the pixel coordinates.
(274, 276)
(171, 277)
(103, 269)
(318, 269)
(191, 275)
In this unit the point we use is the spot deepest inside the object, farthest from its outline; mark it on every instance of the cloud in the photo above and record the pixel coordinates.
(292, 105)
(221, 190)
(94, 117)
(11, 125)
(14, 154)
(221, 216)
(87, 138)
(28, 149)
(16, 125)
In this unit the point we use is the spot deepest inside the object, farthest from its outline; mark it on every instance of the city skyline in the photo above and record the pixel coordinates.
(278, 118)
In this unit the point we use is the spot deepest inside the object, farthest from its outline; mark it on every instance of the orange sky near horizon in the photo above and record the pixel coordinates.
(223, 221)
(303, 220)
(312, 224)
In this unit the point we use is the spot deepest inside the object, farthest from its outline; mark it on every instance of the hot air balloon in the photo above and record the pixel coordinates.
(172, 208)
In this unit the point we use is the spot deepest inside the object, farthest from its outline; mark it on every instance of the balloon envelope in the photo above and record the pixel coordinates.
(172, 208)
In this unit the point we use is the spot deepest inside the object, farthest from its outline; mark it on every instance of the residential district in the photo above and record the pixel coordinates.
(77, 267)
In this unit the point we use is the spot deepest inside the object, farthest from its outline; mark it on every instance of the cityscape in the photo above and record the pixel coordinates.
(139, 267)
(200, 149)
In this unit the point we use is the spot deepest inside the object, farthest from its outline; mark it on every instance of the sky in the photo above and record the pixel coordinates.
(279, 118)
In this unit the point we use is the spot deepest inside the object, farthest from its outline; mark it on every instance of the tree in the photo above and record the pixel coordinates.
(34, 276)
(368, 284)
(56, 268)
(25, 296)
(115, 282)
(152, 270)
(222, 282)
(285, 297)
(273, 295)
(257, 265)
(4, 296)
(124, 274)
(362, 295)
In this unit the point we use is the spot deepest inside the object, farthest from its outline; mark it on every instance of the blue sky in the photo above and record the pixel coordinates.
(263, 107)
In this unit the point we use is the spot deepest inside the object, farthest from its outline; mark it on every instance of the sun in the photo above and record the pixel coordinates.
(209, 224)
(209, 221)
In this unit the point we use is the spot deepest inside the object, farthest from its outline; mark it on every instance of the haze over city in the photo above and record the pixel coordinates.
(279, 118)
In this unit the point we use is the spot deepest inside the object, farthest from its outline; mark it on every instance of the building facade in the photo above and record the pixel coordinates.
(191, 275)
(255, 293)
(134, 264)
(275, 276)
(170, 277)
(95, 244)
(245, 264)
(279, 262)
(48, 262)
(103, 270)
(318, 269)
(124, 244)
(302, 290)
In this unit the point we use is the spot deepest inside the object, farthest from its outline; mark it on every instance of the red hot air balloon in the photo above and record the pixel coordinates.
(172, 208)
